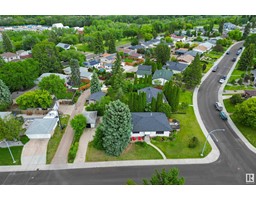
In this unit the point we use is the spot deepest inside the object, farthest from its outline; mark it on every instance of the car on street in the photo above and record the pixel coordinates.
(223, 115)
(238, 52)
(234, 59)
(222, 79)
(214, 69)
(227, 53)
(218, 106)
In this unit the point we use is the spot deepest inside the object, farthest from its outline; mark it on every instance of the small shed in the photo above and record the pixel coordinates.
(91, 117)
(41, 128)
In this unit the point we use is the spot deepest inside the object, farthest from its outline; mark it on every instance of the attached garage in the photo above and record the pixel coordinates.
(91, 117)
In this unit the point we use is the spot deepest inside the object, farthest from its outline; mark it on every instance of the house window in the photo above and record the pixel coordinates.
(159, 132)
(135, 132)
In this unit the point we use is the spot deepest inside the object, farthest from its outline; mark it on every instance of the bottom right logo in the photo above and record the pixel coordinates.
(250, 178)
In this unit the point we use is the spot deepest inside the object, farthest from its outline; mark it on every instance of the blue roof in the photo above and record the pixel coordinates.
(176, 66)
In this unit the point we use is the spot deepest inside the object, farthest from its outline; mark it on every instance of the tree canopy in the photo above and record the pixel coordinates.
(5, 96)
(10, 128)
(162, 53)
(78, 123)
(246, 60)
(95, 83)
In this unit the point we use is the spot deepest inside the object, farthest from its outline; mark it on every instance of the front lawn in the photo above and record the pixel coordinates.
(188, 129)
(238, 87)
(229, 106)
(186, 96)
(83, 47)
(123, 41)
(55, 139)
(135, 151)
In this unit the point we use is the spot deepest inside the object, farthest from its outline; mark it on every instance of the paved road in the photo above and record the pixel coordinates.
(231, 167)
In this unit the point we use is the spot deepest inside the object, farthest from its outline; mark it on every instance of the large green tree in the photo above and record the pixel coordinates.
(78, 123)
(251, 39)
(20, 75)
(246, 31)
(221, 26)
(53, 84)
(98, 45)
(29, 41)
(2, 62)
(5, 96)
(47, 55)
(193, 73)
(75, 72)
(246, 61)
(162, 52)
(10, 128)
(112, 44)
(7, 43)
(95, 83)
(245, 113)
(35, 99)
(71, 53)
(116, 128)
(235, 34)
(172, 94)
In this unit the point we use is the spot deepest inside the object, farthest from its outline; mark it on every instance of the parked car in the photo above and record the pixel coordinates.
(218, 106)
(227, 52)
(223, 115)
(221, 80)
(241, 48)
(214, 69)
(238, 52)
(234, 59)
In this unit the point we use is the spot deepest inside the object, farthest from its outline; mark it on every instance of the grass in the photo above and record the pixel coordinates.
(248, 132)
(237, 87)
(135, 151)
(229, 106)
(186, 96)
(83, 47)
(55, 139)
(188, 129)
(123, 41)
(128, 60)
(5, 157)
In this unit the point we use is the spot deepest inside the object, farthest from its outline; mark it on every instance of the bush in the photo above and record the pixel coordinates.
(72, 152)
(233, 82)
(130, 74)
(193, 142)
(240, 81)
(97, 140)
(235, 99)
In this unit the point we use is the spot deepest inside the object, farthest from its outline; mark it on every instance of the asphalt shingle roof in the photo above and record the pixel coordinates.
(176, 66)
(163, 73)
(152, 92)
(144, 70)
(91, 116)
(97, 96)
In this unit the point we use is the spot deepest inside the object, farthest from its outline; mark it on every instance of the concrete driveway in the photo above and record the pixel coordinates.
(34, 152)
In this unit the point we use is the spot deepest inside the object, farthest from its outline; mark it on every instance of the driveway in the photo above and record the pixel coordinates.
(34, 152)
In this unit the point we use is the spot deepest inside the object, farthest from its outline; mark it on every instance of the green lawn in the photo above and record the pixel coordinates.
(55, 139)
(229, 106)
(135, 151)
(237, 87)
(249, 133)
(186, 96)
(123, 41)
(128, 60)
(179, 147)
(83, 47)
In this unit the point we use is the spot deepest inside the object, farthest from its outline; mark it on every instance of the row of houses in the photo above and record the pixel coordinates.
(19, 55)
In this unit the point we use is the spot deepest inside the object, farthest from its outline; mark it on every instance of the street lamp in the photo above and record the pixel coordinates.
(9, 150)
(215, 130)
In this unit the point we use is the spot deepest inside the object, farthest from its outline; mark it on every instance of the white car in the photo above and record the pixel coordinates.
(221, 80)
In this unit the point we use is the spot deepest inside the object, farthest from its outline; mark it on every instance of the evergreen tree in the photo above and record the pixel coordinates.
(5, 96)
(153, 105)
(246, 30)
(221, 26)
(159, 101)
(98, 138)
(118, 77)
(95, 83)
(172, 94)
(246, 61)
(2, 62)
(7, 43)
(98, 43)
(75, 72)
(162, 52)
(112, 44)
(116, 128)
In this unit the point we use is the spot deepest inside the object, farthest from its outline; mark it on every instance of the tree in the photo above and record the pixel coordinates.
(246, 31)
(236, 99)
(98, 43)
(5, 96)
(246, 61)
(53, 84)
(251, 39)
(162, 53)
(10, 128)
(112, 44)
(7, 43)
(164, 177)
(2, 62)
(193, 73)
(235, 34)
(204, 67)
(95, 83)
(245, 113)
(118, 77)
(218, 48)
(166, 109)
(35, 99)
(98, 138)
(116, 128)
(221, 26)
(72, 54)
(172, 94)
(47, 55)
(29, 41)
(20, 75)
(78, 123)
(70, 39)
(75, 72)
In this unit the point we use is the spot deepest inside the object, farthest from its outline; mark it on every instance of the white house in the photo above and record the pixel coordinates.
(160, 77)
(8, 57)
(149, 124)
(57, 25)
(83, 72)
(62, 76)
(177, 38)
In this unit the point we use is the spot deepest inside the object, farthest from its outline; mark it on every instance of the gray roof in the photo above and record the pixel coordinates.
(151, 92)
(97, 96)
(83, 72)
(176, 66)
(193, 53)
(63, 45)
(62, 76)
(136, 47)
(144, 70)
(41, 126)
(150, 121)
(163, 73)
(4, 114)
(181, 51)
(91, 116)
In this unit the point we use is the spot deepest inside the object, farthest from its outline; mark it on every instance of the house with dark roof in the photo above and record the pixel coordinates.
(144, 70)
(193, 53)
(176, 67)
(160, 77)
(92, 63)
(63, 46)
(136, 47)
(181, 51)
(152, 93)
(96, 97)
(149, 124)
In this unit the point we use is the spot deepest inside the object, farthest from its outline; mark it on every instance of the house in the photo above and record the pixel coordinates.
(178, 38)
(4, 114)
(52, 114)
(208, 45)
(91, 118)
(144, 70)
(185, 59)
(62, 76)
(24, 54)
(42, 128)
(96, 97)
(92, 63)
(63, 46)
(57, 25)
(160, 77)
(136, 47)
(181, 51)
(149, 124)
(108, 66)
(151, 43)
(84, 74)
(176, 67)
(229, 26)
(201, 49)
(126, 51)
(136, 55)
(193, 53)
(249, 93)
(8, 57)
(152, 93)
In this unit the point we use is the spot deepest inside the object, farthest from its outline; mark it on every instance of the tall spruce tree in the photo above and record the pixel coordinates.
(118, 77)
(5, 96)
(221, 26)
(246, 61)
(75, 72)
(172, 94)
(246, 30)
(162, 53)
(7, 43)
(98, 43)
(116, 128)
(112, 44)
(95, 83)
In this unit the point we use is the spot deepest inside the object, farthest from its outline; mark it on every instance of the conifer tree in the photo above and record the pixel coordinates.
(75, 72)
(7, 43)
(95, 83)
(246, 61)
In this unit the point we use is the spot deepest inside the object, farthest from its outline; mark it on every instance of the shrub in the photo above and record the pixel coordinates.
(240, 81)
(78, 123)
(235, 99)
(97, 140)
(72, 152)
(233, 82)
(193, 142)
(130, 74)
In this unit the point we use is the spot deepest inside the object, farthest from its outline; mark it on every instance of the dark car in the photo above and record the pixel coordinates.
(234, 59)
(223, 116)
(228, 53)
(241, 48)
(224, 77)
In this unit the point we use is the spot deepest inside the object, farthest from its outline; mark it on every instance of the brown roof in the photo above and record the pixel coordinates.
(8, 54)
(250, 92)
(135, 55)
(201, 48)
(186, 58)
(105, 55)
(176, 36)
